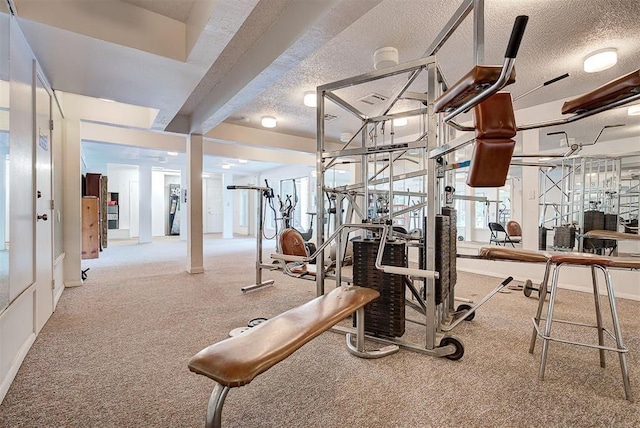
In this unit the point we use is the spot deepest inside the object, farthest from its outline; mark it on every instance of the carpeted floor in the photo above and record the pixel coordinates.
(115, 352)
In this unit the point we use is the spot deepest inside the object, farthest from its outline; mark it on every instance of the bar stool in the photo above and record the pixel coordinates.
(595, 263)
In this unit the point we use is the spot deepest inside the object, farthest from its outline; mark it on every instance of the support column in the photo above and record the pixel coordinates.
(72, 204)
(184, 227)
(227, 205)
(3, 203)
(193, 189)
(145, 222)
(530, 192)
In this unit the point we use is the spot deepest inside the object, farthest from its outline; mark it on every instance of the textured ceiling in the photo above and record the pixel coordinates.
(249, 62)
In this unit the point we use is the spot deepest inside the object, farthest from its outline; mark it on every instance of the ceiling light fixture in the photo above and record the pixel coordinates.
(310, 99)
(226, 166)
(269, 121)
(172, 153)
(634, 110)
(106, 100)
(242, 161)
(206, 175)
(600, 60)
(385, 57)
(401, 121)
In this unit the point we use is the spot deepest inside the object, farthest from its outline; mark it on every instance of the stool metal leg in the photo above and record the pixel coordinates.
(547, 327)
(618, 333)
(542, 294)
(596, 296)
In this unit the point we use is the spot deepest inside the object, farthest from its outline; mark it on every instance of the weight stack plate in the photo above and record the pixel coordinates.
(442, 258)
(453, 245)
(542, 238)
(593, 220)
(385, 316)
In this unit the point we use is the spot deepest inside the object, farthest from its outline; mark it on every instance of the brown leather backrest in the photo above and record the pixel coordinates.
(513, 228)
(292, 244)
(494, 117)
(480, 77)
(615, 90)
(490, 163)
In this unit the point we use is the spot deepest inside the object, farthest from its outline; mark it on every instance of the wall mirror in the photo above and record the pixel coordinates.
(4, 155)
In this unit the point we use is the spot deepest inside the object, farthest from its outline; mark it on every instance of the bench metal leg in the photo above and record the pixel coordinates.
(542, 294)
(547, 327)
(358, 349)
(214, 408)
(618, 335)
(596, 296)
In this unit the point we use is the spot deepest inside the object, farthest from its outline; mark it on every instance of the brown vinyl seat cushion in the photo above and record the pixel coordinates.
(624, 262)
(236, 361)
(513, 228)
(582, 259)
(615, 90)
(480, 77)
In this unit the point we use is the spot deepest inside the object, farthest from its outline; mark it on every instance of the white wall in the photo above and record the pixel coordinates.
(121, 179)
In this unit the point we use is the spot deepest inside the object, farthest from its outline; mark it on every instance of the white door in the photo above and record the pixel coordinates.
(213, 203)
(44, 220)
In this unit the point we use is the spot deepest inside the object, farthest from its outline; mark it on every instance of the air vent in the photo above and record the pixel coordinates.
(373, 99)
(329, 117)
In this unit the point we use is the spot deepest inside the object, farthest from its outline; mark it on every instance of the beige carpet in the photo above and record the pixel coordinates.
(115, 354)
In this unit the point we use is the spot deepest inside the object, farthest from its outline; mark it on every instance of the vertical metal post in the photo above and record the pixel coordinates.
(432, 199)
(583, 178)
(320, 274)
(478, 31)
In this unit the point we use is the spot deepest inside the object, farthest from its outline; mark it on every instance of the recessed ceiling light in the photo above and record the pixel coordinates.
(226, 166)
(600, 60)
(206, 175)
(401, 121)
(269, 121)
(172, 153)
(242, 161)
(310, 99)
(106, 100)
(634, 110)
(345, 137)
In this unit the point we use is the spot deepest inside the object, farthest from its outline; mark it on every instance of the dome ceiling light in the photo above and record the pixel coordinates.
(385, 57)
(310, 99)
(600, 60)
(269, 121)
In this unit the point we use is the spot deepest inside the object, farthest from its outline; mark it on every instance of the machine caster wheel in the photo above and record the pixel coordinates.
(465, 307)
(255, 321)
(528, 286)
(450, 340)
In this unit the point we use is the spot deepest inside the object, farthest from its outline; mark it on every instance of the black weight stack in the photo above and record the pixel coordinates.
(442, 257)
(385, 316)
(564, 237)
(453, 245)
(593, 220)
(542, 238)
(610, 223)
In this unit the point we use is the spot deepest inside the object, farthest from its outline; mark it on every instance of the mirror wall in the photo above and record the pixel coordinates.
(4, 155)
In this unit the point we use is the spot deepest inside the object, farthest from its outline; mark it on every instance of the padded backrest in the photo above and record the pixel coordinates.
(494, 117)
(513, 228)
(495, 124)
(490, 163)
(292, 244)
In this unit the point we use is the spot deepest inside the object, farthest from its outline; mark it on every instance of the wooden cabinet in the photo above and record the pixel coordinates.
(90, 228)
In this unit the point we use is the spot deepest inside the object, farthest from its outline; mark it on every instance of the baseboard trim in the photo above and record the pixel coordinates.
(15, 366)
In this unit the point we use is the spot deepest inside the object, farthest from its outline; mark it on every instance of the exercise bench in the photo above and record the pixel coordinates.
(236, 361)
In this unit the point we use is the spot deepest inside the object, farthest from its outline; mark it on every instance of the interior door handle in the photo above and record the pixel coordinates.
(43, 217)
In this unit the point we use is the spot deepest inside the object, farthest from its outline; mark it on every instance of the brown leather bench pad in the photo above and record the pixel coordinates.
(469, 85)
(513, 254)
(582, 259)
(605, 94)
(611, 234)
(237, 360)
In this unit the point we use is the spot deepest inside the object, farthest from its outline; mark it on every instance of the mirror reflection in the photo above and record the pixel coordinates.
(4, 155)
